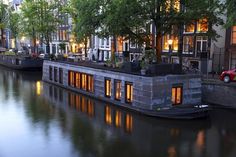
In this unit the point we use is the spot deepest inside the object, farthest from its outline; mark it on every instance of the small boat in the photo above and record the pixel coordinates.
(182, 112)
(21, 62)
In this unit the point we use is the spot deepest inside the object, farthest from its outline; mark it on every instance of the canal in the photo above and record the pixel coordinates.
(38, 120)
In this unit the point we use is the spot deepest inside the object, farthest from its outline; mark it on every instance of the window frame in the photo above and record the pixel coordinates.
(131, 92)
(115, 90)
(175, 87)
(105, 89)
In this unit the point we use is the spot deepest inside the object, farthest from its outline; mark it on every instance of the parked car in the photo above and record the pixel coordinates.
(228, 76)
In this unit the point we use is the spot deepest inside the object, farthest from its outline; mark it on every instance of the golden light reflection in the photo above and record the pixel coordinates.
(90, 109)
(38, 88)
(172, 151)
(200, 141)
(108, 118)
(128, 123)
(118, 119)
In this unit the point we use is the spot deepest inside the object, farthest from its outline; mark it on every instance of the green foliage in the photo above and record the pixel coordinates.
(62, 46)
(231, 13)
(13, 23)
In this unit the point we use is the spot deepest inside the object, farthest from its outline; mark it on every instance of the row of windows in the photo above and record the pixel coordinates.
(81, 81)
(117, 90)
(177, 95)
(54, 70)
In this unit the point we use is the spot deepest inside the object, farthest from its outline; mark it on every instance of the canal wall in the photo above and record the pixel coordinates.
(149, 93)
(219, 93)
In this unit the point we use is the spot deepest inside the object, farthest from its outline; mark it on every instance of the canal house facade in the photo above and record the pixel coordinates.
(136, 92)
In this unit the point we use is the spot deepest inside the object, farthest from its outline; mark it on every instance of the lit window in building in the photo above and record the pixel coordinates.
(90, 109)
(50, 73)
(61, 75)
(117, 89)
(233, 38)
(177, 92)
(189, 28)
(188, 45)
(175, 4)
(90, 83)
(77, 80)
(118, 119)
(107, 87)
(55, 74)
(202, 25)
(71, 78)
(128, 123)
(120, 44)
(201, 44)
(84, 81)
(174, 44)
(108, 116)
(128, 92)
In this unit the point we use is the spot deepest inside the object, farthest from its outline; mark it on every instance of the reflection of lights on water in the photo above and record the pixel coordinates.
(200, 141)
(38, 87)
(172, 151)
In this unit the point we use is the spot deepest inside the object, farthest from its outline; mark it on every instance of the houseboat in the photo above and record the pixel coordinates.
(21, 62)
(168, 96)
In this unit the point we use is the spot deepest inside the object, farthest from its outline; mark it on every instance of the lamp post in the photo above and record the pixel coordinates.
(170, 42)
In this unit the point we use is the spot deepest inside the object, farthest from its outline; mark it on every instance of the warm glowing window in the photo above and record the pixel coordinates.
(128, 123)
(188, 45)
(77, 80)
(120, 44)
(233, 38)
(50, 73)
(202, 25)
(108, 116)
(128, 92)
(90, 108)
(84, 81)
(174, 45)
(118, 119)
(71, 78)
(107, 87)
(90, 83)
(61, 75)
(117, 89)
(177, 92)
(189, 28)
(55, 74)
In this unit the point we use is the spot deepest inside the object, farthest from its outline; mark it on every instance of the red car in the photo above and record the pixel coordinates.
(229, 75)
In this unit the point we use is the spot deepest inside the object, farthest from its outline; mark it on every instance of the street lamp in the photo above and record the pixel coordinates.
(170, 42)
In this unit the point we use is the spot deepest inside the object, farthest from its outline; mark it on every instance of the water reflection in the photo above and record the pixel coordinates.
(52, 121)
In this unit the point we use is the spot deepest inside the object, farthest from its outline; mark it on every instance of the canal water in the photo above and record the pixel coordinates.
(39, 120)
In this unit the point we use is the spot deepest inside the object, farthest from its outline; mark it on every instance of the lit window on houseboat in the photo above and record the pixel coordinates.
(117, 89)
(129, 92)
(118, 119)
(71, 78)
(84, 81)
(90, 83)
(77, 80)
(108, 118)
(128, 123)
(177, 95)
(107, 87)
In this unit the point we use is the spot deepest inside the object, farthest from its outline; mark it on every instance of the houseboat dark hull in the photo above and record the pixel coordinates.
(169, 96)
(21, 63)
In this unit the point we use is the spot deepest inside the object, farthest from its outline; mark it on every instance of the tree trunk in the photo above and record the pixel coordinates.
(180, 45)
(158, 47)
(2, 38)
(15, 43)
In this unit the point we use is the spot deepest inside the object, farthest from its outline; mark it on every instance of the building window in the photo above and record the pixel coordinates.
(61, 75)
(233, 38)
(117, 89)
(77, 80)
(173, 4)
(84, 81)
(50, 73)
(128, 123)
(90, 83)
(128, 92)
(107, 87)
(201, 44)
(174, 44)
(188, 45)
(118, 119)
(177, 92)
(108, 116)
(189, 28)
(71, 78)
(202, 25)
(55, 74)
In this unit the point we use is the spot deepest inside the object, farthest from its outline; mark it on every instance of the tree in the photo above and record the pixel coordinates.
(3, 21)
(13, 24)
(231, 13)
